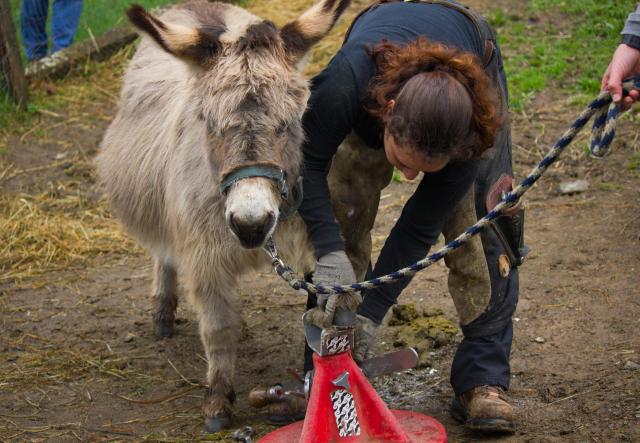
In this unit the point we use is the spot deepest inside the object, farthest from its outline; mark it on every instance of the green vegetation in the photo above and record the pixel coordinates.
(564, 42)
(606, 186)
(634, 162)
(69, 95)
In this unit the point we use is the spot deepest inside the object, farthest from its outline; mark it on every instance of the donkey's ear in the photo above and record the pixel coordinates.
(197, 45)
(302, 33)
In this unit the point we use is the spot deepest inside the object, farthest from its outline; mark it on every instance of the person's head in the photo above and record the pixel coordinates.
(436, 104)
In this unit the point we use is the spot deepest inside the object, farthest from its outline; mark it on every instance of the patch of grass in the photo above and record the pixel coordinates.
(634, 162)
(566, 43)
(99, 16)
(11, 116)
(606, 186)
(68, 97)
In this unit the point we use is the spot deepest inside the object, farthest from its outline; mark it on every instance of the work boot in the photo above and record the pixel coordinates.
(485, 409)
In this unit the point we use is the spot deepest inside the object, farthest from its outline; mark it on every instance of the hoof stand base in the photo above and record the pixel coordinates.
(344, 407)
(419, 429)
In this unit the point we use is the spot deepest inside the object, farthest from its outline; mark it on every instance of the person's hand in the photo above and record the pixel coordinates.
(335, 268)
(625, 63)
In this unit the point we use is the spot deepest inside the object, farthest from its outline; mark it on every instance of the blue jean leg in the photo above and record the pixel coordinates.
(33, 22)
(482, 361)
(64, 22)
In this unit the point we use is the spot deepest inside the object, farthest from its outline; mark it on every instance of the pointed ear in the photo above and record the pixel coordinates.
(198, 45)
(301, 34)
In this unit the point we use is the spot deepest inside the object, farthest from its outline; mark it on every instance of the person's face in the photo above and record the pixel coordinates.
(408, 161)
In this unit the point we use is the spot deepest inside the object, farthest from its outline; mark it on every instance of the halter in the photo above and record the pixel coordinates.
(272, 173)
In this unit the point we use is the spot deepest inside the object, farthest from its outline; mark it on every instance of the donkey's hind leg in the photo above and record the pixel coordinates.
(165, 299)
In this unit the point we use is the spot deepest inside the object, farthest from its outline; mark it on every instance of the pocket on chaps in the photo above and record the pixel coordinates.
(508, 227)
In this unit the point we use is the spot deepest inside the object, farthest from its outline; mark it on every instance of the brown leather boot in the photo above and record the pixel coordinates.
(485, 409)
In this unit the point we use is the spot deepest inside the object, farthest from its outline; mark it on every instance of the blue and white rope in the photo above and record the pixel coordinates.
(602, 134)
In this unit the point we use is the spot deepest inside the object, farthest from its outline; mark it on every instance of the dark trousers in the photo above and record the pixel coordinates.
(482, 361)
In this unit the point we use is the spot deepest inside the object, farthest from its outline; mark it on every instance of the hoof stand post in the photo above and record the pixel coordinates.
(344, 407)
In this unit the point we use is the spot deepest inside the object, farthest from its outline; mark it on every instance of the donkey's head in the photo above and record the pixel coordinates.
(248, 99)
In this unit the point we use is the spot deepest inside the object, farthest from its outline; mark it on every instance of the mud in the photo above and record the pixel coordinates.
(423, 329)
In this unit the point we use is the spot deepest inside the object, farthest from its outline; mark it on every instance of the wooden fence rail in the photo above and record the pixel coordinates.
(10, 61)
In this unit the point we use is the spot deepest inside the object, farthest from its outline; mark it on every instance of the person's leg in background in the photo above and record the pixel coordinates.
(64, 22)
(33, 22)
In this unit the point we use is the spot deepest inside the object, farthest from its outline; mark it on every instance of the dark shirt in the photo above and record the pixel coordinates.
(337, 106)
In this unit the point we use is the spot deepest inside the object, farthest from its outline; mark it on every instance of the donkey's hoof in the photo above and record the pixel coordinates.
(164, 329)
(217, 423)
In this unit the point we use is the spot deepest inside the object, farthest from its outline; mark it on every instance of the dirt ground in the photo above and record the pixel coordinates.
(79, 361)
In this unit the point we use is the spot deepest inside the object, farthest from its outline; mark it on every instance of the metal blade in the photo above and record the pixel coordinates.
(405, 358)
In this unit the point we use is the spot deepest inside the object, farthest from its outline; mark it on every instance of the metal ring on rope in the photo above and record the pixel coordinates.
(602, 133)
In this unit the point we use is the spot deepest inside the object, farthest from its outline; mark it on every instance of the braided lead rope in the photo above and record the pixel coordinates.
(604, 129)
(603, 132)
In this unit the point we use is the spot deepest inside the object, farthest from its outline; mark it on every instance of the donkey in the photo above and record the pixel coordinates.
(211, 91)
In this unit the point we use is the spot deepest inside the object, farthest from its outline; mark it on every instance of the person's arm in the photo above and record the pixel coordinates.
(331, 111)
(631, 31)
(625, 62)
(329, 118)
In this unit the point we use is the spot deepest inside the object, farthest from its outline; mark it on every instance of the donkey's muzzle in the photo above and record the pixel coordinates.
(252, 231)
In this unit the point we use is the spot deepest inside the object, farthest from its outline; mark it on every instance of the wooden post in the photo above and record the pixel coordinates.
(10, 61)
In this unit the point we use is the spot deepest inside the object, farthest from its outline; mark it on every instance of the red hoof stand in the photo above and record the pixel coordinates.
(344, 407)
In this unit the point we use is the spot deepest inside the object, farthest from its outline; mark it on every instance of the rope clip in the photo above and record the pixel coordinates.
(272, 252)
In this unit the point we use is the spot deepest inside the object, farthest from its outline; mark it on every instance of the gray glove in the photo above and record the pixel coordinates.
(335, 268)
(365, 333)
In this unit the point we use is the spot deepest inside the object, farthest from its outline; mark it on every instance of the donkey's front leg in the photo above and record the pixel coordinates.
(220, 329)
(165, 299)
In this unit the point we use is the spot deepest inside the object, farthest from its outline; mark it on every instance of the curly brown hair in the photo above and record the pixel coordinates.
(445, 104)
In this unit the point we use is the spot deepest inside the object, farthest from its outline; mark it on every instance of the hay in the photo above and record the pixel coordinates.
(42, 362)
(63, 227)
(327, 47)
(55, 230)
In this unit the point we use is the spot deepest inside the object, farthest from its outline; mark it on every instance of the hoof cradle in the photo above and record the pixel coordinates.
(217, 423)
(164, 329)
(288, 411)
